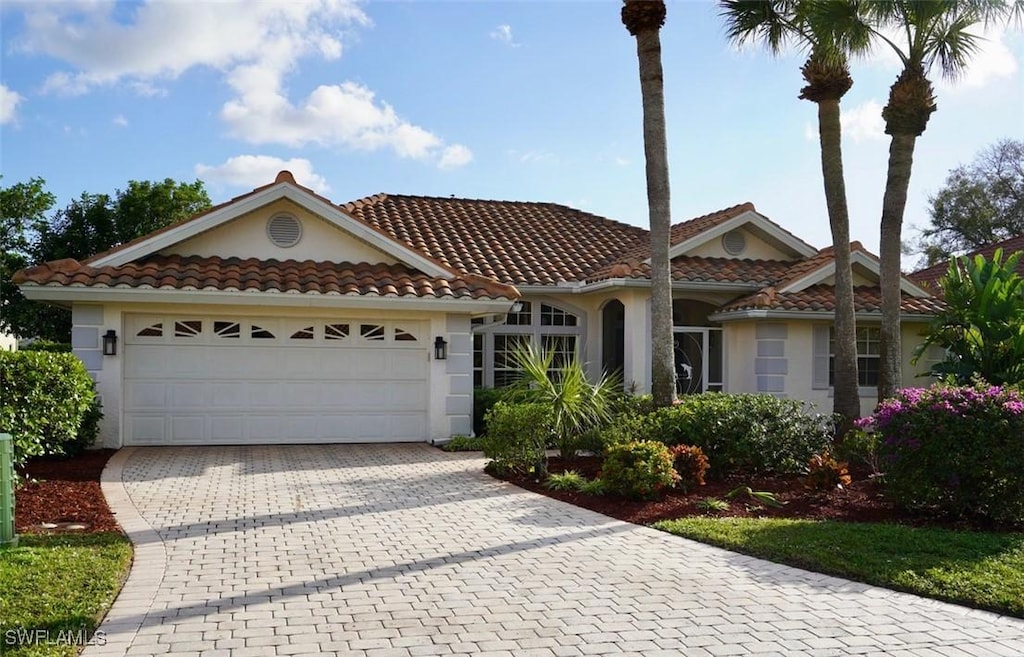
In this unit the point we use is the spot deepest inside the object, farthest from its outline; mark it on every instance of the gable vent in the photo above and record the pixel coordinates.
(284, 230)
(734, 242)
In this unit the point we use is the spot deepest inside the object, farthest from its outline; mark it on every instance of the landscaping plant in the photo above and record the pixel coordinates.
(824, 472)
(761, 497)
(48, 404)
(517, 437)
(570, 480)
(690, 465)
(464, 444)
(712, 505)
(638, 470)
(577, 406)
(959, 450)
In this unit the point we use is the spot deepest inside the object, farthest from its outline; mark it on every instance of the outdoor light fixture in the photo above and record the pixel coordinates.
(440, 348)
(517, 307)
(110, 343)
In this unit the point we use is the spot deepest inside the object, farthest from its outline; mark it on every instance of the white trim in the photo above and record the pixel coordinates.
(71, 294)
(753, 313)
(761, 222)
(282, 190)
(856, 258)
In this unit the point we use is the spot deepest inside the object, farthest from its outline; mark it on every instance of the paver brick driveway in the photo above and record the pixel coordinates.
(405, 550)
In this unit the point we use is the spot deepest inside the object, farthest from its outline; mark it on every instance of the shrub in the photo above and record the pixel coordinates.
(826, 473)
(48, 346)
(627, 427)
(517, 437)
(577, 405)
(745, 432)
(859, 446)
(690, 465)
(48, 403)
(483, 400)
(464, 444)
(569, 480)
(593, 487)
(957, 449)
(638, 469)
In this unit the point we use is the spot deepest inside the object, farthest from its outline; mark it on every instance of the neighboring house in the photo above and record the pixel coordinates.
(8, 342)
(928, 278)
(282, 317)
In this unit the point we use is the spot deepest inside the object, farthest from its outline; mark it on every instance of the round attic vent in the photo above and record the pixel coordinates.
(734, 242)
(284, 230)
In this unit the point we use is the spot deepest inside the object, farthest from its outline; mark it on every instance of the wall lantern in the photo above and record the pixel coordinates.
(517, 307)
(110, 343)
(440, 348)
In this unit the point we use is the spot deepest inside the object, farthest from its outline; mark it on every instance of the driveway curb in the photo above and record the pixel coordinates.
(121, 624)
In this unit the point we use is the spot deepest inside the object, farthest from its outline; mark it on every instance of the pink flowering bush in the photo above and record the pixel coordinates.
(959, 450)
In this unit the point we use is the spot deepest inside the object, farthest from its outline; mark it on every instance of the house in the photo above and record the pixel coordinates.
(928, 278)
(282, 317)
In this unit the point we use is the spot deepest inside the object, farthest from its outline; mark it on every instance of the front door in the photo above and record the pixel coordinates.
(698, 356)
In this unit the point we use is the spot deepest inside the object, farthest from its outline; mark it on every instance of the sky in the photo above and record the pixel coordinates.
(527, 101)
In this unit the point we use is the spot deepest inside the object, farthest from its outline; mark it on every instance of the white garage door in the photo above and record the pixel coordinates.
(193, 380)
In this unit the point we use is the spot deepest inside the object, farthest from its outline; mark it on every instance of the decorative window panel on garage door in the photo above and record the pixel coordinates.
(230, 380)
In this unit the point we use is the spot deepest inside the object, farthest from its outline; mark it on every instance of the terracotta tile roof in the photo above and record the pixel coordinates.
(683, 231)
(929, 278)
(695, 268)
(820, 298)
(309, 277)
(517, 243)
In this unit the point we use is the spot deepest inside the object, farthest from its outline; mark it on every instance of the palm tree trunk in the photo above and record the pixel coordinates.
(652, 90)
(901, 159)
(846, 401)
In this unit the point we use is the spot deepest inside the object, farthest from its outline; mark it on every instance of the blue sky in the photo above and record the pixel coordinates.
(533, 101)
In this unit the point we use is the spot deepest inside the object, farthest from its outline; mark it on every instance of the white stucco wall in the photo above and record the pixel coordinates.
(756, 249)
(246, 237)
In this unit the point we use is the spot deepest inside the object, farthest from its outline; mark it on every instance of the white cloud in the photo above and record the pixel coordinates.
(256, 45)
(533, 157)
(120, 120)
(621, 161)
(255, 170)
(455, 156)
(862, 123)
(9, 101)
(503, 33)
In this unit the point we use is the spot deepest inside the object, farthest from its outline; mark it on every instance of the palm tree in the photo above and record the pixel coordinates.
(923, 33)
(643, 19)
(828, 29)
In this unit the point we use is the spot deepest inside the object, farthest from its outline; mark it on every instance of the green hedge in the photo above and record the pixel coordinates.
(743, 432)
(483, 400)
(48, 403)
(48, 345)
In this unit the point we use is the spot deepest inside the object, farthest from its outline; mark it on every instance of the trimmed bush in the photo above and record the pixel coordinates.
(463, 444)
(48, 403)
(638, 470)
(484, 400)
(49, 346)
(956, 449)
(517, 437)
(744, 432)
(690, 465)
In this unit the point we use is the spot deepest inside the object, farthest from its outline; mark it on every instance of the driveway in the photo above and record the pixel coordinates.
(406, 550)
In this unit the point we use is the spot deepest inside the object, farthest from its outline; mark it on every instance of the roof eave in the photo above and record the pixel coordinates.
(768, 313)
(65, 295)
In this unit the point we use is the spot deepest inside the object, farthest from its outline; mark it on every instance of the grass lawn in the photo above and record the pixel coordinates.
(976, 569)
(58, 583)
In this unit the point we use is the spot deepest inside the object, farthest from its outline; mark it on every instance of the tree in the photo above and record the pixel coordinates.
(644, 19)
(88, 225)
(982, 328)
(828, 30)
(923, 33)
(980, 203)
(22, 206)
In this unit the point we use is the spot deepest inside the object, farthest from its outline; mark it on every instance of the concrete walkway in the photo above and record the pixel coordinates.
(405, 550)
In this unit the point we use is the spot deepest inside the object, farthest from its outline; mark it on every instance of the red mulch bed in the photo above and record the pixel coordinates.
(64, 491)
(861, 501)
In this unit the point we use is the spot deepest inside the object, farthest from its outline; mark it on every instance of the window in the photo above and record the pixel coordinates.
(227, 329)
(188, 329)
(260, 333)
(372, 332)
(401, 335)
(505, 371)
(869, 350)
(303, 334)
(543, 325)
(152, 331)
(335, 331)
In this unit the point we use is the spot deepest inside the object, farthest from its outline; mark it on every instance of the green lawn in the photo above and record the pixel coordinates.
(976, 569)
(60, 584)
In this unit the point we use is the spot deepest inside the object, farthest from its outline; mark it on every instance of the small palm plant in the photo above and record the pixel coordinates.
(577, 405)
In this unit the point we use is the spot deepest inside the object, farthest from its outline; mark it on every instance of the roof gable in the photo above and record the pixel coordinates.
(821, 268)
(688, 237)
(248, 206)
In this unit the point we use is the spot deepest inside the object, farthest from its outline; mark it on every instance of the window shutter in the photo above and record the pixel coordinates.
(819, 380)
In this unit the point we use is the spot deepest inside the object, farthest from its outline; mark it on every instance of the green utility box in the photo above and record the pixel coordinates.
(7, 535)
